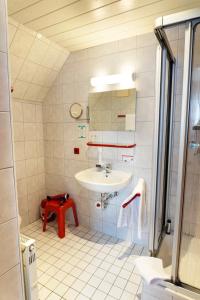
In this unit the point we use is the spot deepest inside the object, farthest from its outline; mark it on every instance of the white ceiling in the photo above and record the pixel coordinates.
(79, 24)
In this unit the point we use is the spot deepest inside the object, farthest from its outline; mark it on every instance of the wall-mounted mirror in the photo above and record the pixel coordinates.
(76, 110)
(112, 110)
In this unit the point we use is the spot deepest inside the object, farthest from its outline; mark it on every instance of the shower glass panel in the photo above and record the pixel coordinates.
(164, 144)
(164, 96)
(189, 262)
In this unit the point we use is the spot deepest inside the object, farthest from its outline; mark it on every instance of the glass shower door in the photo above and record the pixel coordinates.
(189, 261)
(164, 95)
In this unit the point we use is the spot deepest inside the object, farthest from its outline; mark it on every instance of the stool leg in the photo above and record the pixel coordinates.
(61, 223)
(45, 219)
(75, 214)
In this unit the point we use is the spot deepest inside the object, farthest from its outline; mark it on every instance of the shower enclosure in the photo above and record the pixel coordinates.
(176, 186)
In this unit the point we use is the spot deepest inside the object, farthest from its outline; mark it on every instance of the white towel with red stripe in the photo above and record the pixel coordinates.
(132, 211)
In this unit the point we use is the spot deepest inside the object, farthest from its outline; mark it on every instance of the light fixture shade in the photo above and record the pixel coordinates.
(123, 78)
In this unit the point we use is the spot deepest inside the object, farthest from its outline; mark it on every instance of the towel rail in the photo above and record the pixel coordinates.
(129, 201)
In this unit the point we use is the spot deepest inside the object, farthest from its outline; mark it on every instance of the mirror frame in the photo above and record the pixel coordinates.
(70, 110)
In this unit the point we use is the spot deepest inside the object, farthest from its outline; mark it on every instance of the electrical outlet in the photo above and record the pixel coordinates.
(127, 158)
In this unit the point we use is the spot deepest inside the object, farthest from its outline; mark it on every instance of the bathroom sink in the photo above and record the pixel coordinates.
(98, 181)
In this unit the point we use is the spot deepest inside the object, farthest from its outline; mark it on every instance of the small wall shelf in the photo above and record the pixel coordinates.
(111, 145)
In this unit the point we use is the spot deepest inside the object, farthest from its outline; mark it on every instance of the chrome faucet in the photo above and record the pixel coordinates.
(104, 167)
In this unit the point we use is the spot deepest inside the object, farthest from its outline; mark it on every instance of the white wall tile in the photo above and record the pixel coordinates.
(10, 272)
(145, 109)
(10, 257)
(4, 90)
(145, 84)
(12, 30)
(144, 134)
(3, 26)
(18, 131)
(19, 151)
(6, 159)
(22, 43)
(17, 111)
(29, 113)
(34, 60)
(11, 284)
(7, 197)
(15, 65)
(27, 71)
(38, 51)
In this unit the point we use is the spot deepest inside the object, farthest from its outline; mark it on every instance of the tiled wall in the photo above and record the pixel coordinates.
(34, 64)
(34, 61)
(29, 158)
(10, 270)
(61, 131)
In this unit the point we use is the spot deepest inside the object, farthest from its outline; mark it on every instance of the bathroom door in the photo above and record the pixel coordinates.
(163, 126)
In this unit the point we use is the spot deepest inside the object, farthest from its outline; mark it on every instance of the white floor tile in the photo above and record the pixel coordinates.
(85, 276)
(69, 280)
(44, 279)
(60, 275)
(61, 289)
(100, 273)
(88, 291)
(53, 296)
(78, 285)
(105, 265)
(125, 274)
(52, 271)
(110, 298)
(115, 292)
(52, 284)
(99, 295)
(105, 286)
(84, 265)
(91, 269)
(127, 296)
(71, 294)
(114, 269)
(76, 272)
(82, 297)
(109, 277)
(131, 287)
(44, 293)
(94, 281)
(120, 282)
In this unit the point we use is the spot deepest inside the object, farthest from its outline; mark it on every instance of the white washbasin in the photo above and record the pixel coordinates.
(95, 180)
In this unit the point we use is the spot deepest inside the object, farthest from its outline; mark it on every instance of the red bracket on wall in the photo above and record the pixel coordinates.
(111, 145)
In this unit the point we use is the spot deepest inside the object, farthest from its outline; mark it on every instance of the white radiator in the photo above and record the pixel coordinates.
(28, 250)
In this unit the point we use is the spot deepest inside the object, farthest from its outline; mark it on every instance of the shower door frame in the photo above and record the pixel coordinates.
(162, 150)
(191, 18)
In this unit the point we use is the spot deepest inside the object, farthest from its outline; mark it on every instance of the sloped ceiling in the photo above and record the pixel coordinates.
(79, 24)
(35, 62)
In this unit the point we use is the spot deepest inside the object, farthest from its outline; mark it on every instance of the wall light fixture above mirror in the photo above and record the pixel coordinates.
(122, 79)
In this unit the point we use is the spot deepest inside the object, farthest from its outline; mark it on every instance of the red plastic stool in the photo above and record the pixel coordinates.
(54, 205)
